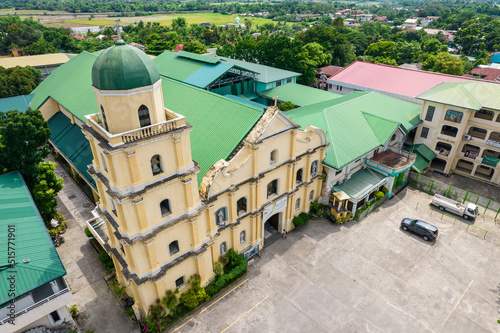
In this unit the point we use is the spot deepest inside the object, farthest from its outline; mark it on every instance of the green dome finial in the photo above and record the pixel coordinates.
(123, 67)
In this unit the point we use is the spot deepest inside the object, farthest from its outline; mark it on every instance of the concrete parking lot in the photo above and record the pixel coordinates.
(367, 276)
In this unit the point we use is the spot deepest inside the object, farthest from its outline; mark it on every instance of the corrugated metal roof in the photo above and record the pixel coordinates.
(31, 240)
(357, 123)
(19, 103)
(246, 101)
(298, 94)
(395, 80)
(198, 57)
(219, 123)
(179, 68)
(35, 60)
(360, 182)
(266, 74)
(424, 156)
(468, 95)
(207, 74)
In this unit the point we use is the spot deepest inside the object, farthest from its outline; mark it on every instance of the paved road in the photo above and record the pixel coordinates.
(367, 277)
(99, 310)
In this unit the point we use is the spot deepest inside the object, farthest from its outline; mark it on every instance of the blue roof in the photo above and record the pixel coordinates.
(207, 74)
(19, 103)
(246, 101)
(495, 59)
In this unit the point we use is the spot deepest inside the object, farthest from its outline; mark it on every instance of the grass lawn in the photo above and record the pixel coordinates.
(96, 22)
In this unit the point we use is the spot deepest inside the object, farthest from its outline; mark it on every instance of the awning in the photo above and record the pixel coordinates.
(424, 156)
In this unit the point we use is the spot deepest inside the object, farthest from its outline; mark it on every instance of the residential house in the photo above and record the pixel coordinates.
(461, 125)
(410, 24)
(33, 291)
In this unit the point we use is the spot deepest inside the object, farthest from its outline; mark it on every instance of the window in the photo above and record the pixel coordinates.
(430, 113)
(455, 116)
(173, 247)
(104, 121)
(297, 204)
(449, 130)
(241, 205)
(165, 208)
(311, 195)
(144, 118)
(330, 86)
(425, 132)
(104, 162)
(298, 178)
(243, 237)
(223, 248)
(443, 148)
(273, 158)
(155, 165)
(289, 80)
(314, 168)
(55, 317)
(278, 83)
(477, 132)
(272, 188)
(338, 172)
(221, 216)
(179, 282)
(393, 137)
(484, 114)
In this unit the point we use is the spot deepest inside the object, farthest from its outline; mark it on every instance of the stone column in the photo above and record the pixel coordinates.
(140, 212)
(195, 235)
(111, 168)
(234, 238)
(232, 213)
(309, 160)
(160, 288)
(293, 143)
(151, 252)
(212, 227)
(133, 167)
(129, 257)
(179, 153)
(188, 193)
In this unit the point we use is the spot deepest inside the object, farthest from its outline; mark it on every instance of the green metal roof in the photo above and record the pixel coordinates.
(298, 94)
(266, 74)
(468, 95)
(198, 57)
(19, 103)
(31, 240)
(175, 67)
(360, 183)
(71, 142)
(123, 67)
(424, 156)
(357, 123)
(220, 124)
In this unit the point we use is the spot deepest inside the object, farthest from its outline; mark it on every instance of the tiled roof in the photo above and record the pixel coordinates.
(30, 240)
(487, 74)
(266, 74)
(468, 95)
(357, 123)
(19, 103)
(220, 124)
(391, 79)
(299, 94)
(330, 70)
(35, 60)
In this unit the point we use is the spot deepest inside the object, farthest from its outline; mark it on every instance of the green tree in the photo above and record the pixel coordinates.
(24, 140)
(383, 49)
(407, 52)
(45, 191)
(41, 46)
(195, 47)
(444, 63)
(18, 80)
(432, 45)
(286, 106)
(469, 37)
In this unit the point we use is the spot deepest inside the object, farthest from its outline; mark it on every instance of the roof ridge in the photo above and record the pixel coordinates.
(328, 134)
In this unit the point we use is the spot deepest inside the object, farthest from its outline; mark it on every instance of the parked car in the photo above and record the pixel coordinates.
(424, 229)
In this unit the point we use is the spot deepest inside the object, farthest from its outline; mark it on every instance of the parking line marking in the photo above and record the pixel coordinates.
(222, 297)
(178, 328)
(457, 237)
(458, 302)
(243, 315)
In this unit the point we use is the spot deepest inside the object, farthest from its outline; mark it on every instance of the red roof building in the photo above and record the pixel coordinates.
(77, 36)
(487, 74)
(402, 83)
(330, 70)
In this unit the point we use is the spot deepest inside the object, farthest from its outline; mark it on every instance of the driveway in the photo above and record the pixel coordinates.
(99, 309)
(368, 276)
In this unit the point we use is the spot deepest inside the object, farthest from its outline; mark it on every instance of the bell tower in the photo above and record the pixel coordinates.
(155, 229)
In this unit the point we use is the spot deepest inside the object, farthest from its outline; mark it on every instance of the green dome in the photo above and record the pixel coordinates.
(123, 67)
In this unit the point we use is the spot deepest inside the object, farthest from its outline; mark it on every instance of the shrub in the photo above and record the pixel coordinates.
(195, 294)
(368, 204)
(304, 216)
(379, 195)
(218, 268)
(297, 221)
(88, 233)
(73, 310)
(106, 260)
(385, 190)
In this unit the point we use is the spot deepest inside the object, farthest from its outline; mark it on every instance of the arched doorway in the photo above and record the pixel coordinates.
(272, 228)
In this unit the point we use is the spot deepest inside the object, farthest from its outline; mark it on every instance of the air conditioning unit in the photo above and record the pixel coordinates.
(467, 137)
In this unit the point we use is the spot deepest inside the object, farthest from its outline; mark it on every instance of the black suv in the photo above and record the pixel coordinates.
(424, 229)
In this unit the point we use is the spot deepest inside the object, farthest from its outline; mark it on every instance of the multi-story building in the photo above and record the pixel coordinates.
(178, 190)
(33, 291)
(461, 123)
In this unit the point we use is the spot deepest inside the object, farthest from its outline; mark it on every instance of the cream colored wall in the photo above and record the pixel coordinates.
(121, 107)
(49, 108)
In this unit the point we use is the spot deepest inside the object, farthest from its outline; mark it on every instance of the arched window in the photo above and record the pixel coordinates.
(221, 216)
(298, 178)
(104, 121)
(155, 165)
(165, 208)
(311, 195)
(179, 282)
(173, 247)
(243, 237)
(144, 118)
(241, 205)
(273, 158)
(272, 188)
(223, 248)
(314, 168)
(297, 204)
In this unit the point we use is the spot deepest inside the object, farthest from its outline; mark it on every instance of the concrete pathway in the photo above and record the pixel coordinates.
(99, 309)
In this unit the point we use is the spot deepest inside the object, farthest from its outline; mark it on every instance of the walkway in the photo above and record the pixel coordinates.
(99, 309)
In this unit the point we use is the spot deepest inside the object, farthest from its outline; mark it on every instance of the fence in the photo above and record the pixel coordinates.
(358, 216)
(431, 186)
